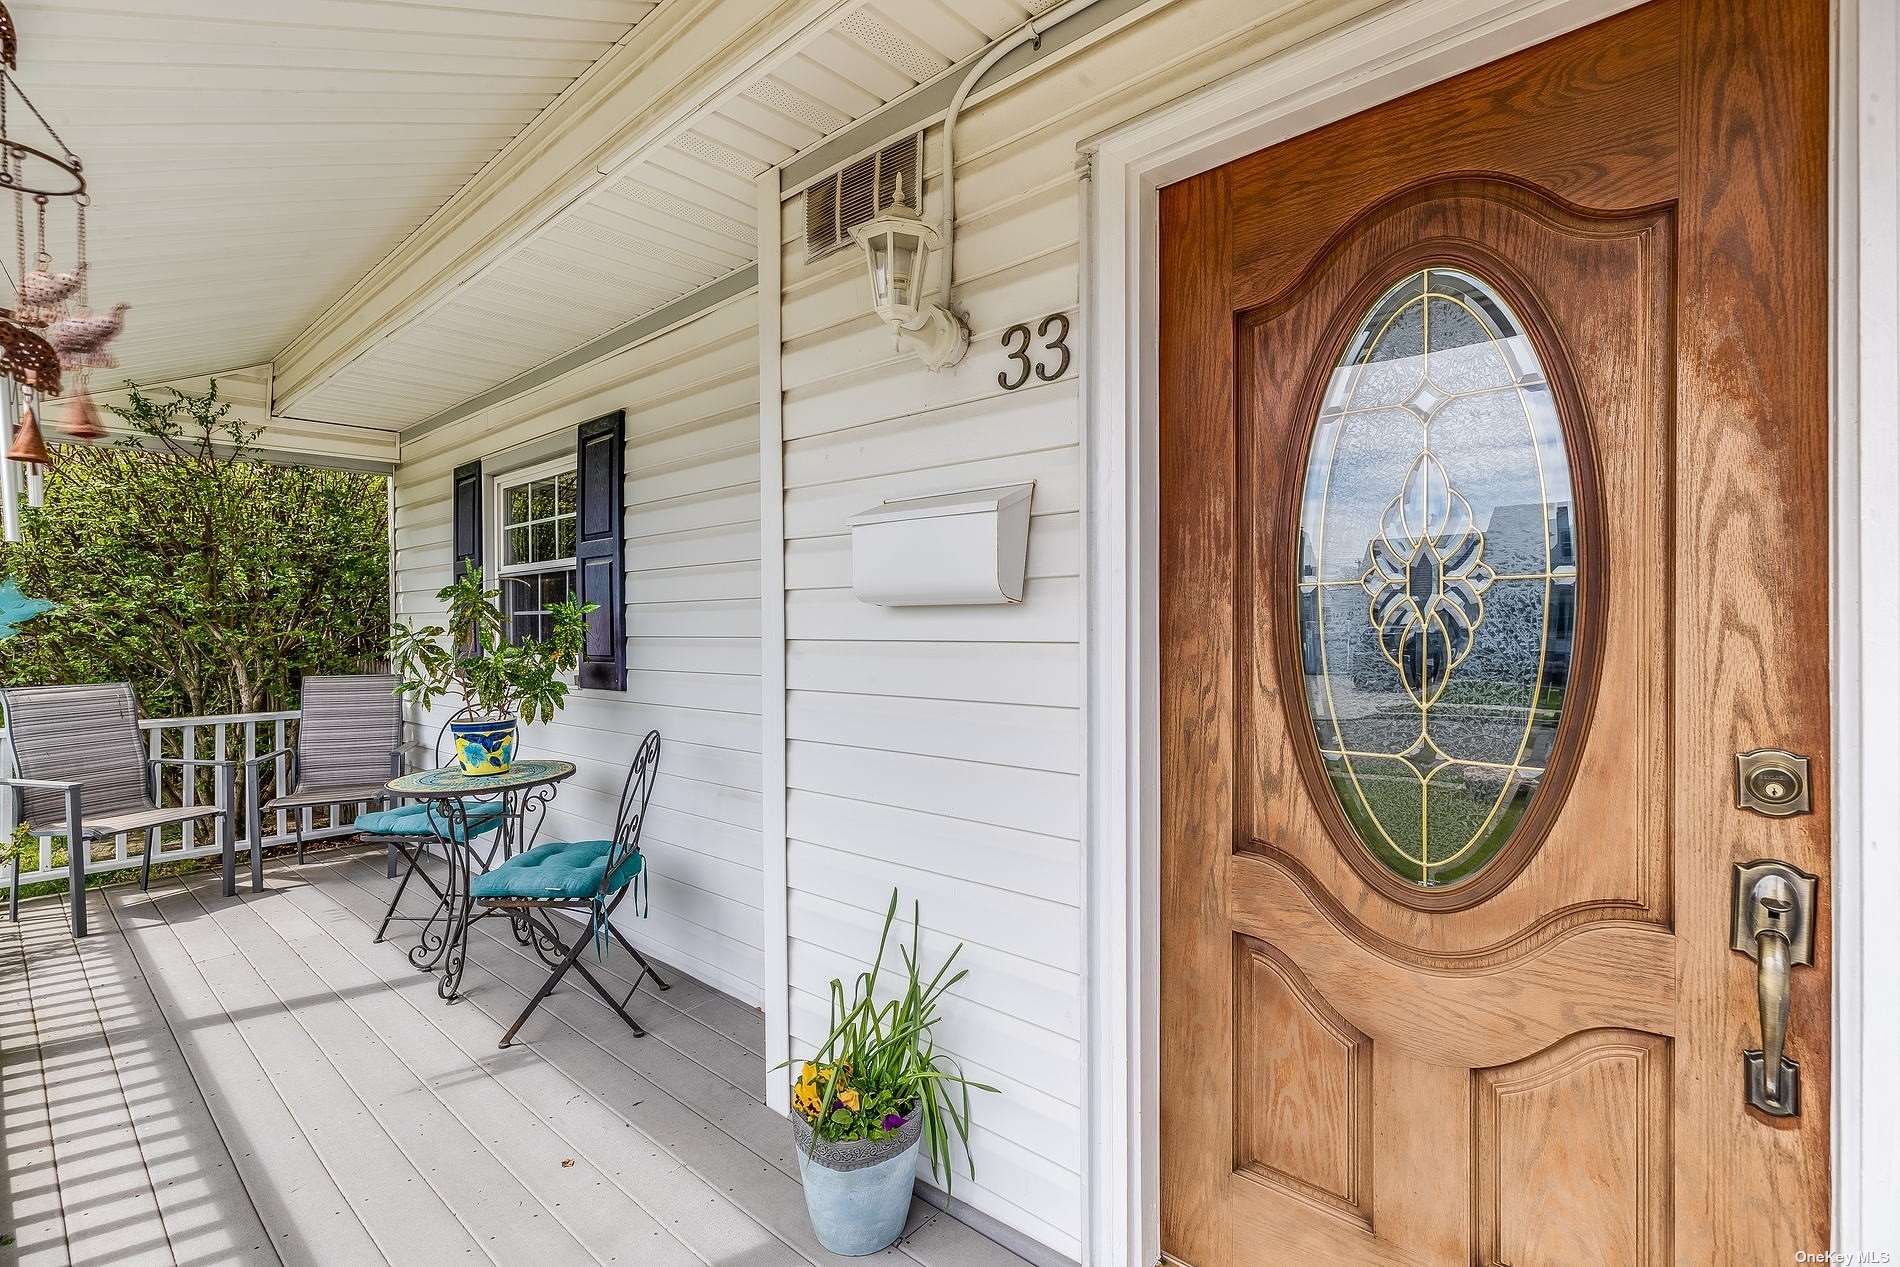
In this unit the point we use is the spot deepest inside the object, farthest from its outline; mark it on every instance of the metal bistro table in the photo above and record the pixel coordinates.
(526, 789)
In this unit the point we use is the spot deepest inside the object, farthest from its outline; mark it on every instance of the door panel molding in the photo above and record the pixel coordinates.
(1320, 1065)
(1602, 1093)
(1610, 973)
(1432, 224)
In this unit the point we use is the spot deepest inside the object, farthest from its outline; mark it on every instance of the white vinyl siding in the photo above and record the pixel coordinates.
(691, 524)
(939, 750)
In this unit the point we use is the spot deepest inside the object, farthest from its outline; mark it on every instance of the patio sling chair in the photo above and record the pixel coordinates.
(409, 832)
(349, 744)
(82, 772)
(593, 876)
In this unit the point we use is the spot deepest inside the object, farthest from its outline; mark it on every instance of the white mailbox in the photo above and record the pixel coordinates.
(948, 549)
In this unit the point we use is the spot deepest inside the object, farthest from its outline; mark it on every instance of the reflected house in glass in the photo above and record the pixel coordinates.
(1437, 577)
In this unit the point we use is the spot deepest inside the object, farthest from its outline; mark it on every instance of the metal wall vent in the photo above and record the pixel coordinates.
(854, 193)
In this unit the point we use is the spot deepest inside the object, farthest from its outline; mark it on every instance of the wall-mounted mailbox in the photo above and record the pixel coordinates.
(948, 549)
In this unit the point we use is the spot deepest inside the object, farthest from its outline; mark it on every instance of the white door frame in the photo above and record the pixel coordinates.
(1341, 72)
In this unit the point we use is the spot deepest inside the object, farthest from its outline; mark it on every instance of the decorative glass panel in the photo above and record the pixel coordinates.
(1437, 577)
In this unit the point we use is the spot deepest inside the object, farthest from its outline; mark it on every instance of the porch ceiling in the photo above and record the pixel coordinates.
(646, 231)
(249, 161)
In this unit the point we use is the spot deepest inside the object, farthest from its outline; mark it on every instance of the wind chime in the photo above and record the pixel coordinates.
(57, 302)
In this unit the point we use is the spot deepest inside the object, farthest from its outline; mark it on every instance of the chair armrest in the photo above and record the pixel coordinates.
(55, 785)
(262, 757)
(211, 762)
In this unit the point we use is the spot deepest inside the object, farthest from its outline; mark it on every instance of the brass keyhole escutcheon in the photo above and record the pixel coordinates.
(1773, 782)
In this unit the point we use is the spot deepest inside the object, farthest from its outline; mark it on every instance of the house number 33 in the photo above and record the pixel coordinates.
(1053, 330)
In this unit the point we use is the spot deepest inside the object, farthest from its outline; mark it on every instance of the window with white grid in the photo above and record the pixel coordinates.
(534, 533)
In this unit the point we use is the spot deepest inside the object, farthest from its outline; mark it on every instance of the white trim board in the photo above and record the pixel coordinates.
(1352, 68)
(1866, 623)
(776, 943)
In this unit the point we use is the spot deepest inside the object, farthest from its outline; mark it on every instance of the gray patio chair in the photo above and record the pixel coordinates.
(81, 771)
(349, 744)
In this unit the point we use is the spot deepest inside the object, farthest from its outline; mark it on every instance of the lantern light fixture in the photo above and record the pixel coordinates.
(898, 250)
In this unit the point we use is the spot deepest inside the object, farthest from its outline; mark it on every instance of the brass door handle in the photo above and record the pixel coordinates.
(1771, 947)
(1773, 925)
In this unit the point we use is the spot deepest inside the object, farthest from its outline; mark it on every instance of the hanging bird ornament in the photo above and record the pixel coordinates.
(46, 170)
(44, 296)
(81, 339)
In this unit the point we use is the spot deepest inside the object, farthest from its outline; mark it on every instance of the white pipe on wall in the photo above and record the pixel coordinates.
(1029, 30)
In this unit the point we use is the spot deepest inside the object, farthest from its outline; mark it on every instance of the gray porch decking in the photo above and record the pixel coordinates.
(207, 1080)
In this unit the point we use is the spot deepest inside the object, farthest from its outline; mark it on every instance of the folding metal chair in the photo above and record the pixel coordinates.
(594, 876)
(409, 832)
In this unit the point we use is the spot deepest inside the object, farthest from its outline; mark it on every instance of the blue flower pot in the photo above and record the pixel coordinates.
(484, 747)
(858, 1192)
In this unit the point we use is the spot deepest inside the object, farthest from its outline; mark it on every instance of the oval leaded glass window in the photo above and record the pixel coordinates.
(1437, 577)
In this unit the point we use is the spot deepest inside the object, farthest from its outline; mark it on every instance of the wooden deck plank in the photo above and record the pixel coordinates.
(207, 1214)
(613, 1226)
(672, 1016)
(111, 1214)
(690, 1208)
(500, 1215)
(309, 1218)
(587, 1046)
(409, 1221)
(269, 1040)
(744, 1118)
(741, 1025)
(36, 1220)
(741, 1070)
(932, 1237)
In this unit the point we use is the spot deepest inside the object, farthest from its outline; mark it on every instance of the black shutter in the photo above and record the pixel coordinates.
(599, 570)
(468, 519)
(467, 501)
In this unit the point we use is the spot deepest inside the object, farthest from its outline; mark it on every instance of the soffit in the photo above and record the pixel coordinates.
(250, 160)
(677, 217)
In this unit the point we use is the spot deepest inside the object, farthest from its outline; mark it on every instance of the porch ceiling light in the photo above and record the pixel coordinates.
(898, 247)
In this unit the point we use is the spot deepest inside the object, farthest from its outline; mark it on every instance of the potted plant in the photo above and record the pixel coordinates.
(875, 1092)
(501, 683)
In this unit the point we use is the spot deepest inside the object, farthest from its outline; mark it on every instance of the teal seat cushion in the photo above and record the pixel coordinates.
(390, 822)
(427, 820)
(557, 870)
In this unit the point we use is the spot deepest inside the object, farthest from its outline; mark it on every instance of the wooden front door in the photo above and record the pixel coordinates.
(1494, 502)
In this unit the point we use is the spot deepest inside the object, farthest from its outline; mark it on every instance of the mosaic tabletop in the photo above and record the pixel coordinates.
(450, 781)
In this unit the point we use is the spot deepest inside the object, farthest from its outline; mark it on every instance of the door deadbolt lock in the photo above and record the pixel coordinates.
(1772, 781)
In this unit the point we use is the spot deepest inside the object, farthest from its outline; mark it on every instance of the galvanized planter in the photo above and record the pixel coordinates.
(858, 1191)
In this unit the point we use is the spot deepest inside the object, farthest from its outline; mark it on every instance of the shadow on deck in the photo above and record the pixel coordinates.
(208, 1080)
